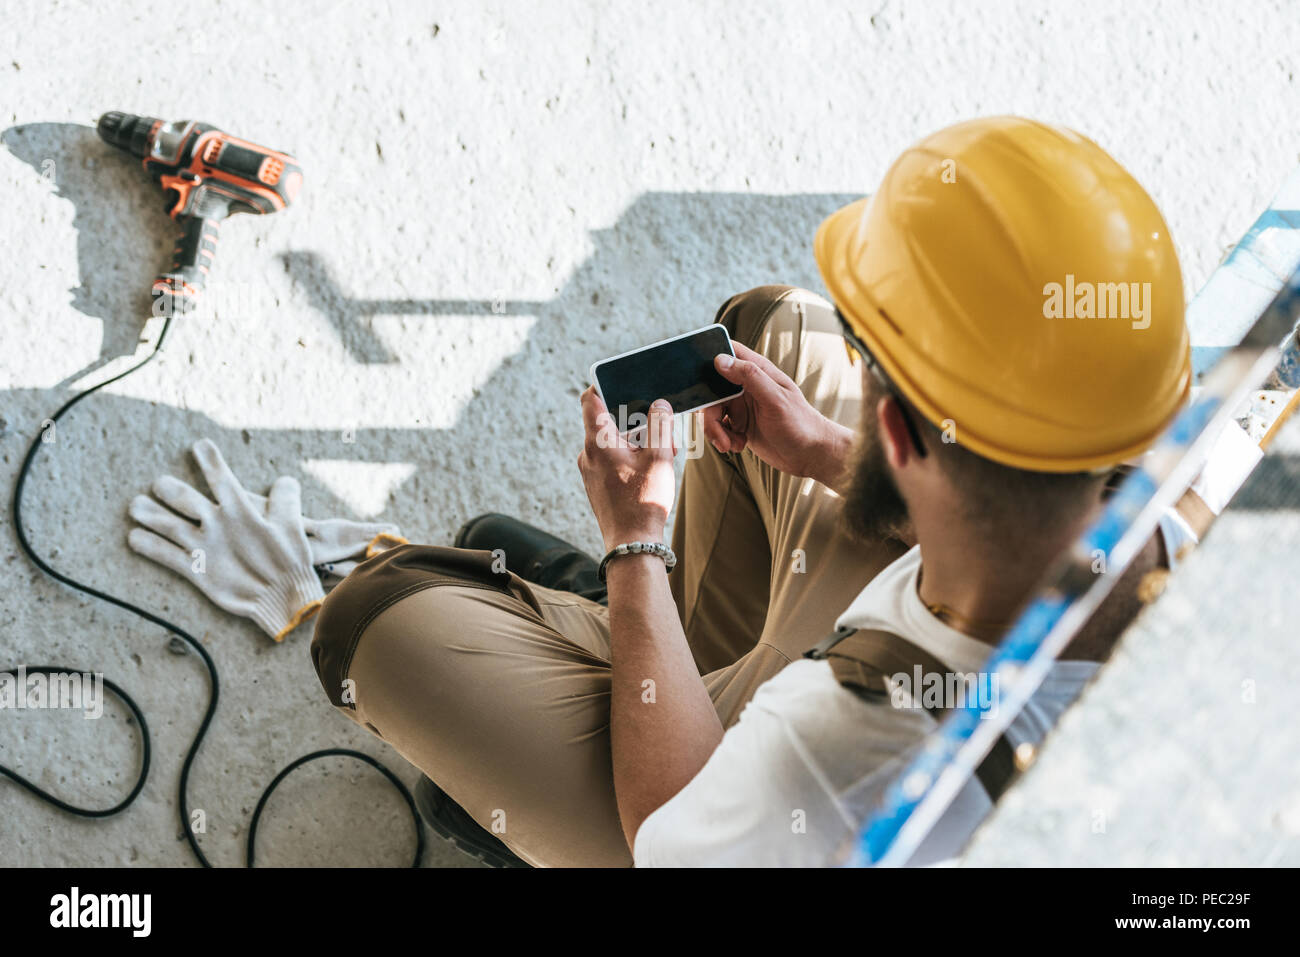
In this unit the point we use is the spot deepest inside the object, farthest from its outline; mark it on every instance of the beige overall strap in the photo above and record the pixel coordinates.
(864, 660)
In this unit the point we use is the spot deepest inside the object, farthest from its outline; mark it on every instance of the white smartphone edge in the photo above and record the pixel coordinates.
(595, 381)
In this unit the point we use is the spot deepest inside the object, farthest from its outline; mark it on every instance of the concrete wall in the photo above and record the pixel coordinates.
(606, 174)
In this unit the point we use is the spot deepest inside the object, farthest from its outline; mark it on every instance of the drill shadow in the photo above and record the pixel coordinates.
(352, 318)
(123, 233)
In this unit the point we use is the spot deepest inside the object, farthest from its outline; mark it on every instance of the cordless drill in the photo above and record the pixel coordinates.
(206, 175)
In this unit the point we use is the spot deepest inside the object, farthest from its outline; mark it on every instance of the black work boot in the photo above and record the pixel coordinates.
(534, 555)
(450, 822)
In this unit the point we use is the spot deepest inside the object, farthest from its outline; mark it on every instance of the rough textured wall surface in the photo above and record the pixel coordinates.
(1183, 752)
(603, 176)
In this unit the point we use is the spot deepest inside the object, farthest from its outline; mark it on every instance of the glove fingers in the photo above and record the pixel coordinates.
(285, 501)
(158, 549)
(183, 498)
(343, 533)
(158, 519)
(225, 487)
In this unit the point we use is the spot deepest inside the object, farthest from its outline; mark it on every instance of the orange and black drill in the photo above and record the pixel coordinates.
(206, 175)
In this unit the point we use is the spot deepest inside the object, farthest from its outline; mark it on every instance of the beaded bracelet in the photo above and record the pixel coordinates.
(639, 548)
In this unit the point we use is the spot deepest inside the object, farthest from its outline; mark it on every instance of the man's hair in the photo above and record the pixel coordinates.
(991, 491)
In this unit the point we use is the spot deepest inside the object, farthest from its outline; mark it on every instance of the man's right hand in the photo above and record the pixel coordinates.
(774, 421)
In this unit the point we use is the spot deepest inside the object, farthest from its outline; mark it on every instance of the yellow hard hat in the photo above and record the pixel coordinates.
(1011, 277)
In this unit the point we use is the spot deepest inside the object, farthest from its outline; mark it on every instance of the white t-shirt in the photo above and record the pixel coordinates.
(800, 771)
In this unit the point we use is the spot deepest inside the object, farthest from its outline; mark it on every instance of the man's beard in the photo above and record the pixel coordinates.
(873, 507)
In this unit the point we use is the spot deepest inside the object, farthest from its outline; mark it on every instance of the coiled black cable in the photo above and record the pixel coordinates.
(180, 633)
(145, 751)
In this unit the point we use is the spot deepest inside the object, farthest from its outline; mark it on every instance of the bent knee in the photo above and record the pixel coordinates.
(358, 603)
(772, 320)
(339, 628)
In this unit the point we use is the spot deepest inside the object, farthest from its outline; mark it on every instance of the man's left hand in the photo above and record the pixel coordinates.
(630, 486)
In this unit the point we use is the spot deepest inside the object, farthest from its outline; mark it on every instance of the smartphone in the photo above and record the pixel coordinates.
(679, 369)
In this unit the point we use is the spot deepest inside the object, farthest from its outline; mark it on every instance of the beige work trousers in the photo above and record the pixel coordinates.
(498, 690)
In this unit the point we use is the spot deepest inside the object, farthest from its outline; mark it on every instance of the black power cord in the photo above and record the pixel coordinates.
(130, 702)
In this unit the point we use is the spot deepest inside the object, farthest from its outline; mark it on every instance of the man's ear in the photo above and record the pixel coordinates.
(895, 439)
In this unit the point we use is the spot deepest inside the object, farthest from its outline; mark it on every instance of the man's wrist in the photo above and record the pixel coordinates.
(830, 465)
(624, 537)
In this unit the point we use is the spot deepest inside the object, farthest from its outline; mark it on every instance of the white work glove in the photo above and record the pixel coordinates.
(339, 545)
(249, 555)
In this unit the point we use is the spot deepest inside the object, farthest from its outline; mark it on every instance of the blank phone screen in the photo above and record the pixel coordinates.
(680, 370)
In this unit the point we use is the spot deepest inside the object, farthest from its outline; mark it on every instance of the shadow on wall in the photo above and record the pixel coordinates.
(665, 266)
(111, 210)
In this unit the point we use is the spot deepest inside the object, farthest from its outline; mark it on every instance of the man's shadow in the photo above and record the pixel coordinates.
(670, 256)
(668, 261)
(123, 230)
(662, 267)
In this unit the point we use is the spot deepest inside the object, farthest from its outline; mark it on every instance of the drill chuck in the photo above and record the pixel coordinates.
(127, 131)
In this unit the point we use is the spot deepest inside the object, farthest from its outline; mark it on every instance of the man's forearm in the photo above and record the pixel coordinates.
(832, 464)
(663, 727)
